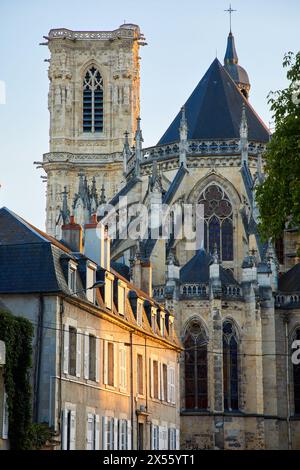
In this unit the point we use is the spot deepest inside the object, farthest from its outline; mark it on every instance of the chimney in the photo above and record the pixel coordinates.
(97, 243)
(72, 235)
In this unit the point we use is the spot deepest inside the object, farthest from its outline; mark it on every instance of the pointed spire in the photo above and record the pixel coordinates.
(65, 213)
(260, 173)
(126, 152)
(231, 56)
(183, 132)
(102, 195)
(244, 136)
(138, 147)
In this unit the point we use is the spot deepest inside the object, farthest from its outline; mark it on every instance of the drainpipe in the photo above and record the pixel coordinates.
(61, 312)
(288, 383)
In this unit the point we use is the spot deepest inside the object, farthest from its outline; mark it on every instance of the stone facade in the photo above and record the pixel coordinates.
(116, 55)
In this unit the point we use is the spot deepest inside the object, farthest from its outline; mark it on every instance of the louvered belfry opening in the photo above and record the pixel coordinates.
(93, 101)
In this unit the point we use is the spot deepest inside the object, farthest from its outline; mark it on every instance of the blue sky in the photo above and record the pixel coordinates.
(183, 39)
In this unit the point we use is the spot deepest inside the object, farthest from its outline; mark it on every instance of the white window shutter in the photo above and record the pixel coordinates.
(105, 363)
(151, 379)
(5, 417)
(168, 386)
(152, 436)
(86, 355)
(162, 381)
(73, 431)
(116, 433)
(64, 429)
(97, 432)
(66, 349)
(89, 431)
(160, 438)
(97, 358)
(159, 380)
(177, 439)
(129, 444)
(165, 438)
(115, 365)
(120, 435)
(78, 352)
(104, 432)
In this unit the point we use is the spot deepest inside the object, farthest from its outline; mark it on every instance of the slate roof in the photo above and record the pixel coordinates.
(197, 270)
(214, 109)
(237, 73)
(29, 258)
(290, 281)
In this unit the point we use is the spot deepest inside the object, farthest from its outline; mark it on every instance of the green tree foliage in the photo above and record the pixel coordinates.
(17, 334)
(278, 197)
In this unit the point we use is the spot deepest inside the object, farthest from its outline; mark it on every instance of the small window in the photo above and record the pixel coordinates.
(108, 292)
(110, 364)
(110, 434)
(123, 445)
(72, 277)
(155, 379)
(140, 375)
(162, 324)
(69, 430)
(121, 299)
(72, 350)
(155, 437)
(153, 319)
(92, 357)
(90, 281)
(172, 439)
(139, 313)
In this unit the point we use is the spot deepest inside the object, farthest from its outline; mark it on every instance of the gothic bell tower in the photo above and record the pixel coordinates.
(94, 98)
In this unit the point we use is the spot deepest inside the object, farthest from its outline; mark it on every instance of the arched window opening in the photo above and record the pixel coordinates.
(296, 378)
(93, 101)
(195, 344)
(218, 225)
(230, 367)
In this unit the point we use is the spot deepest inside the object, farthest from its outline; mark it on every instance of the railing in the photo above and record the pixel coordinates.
(232, 292)
(159, 292)
(194, 290)
(125, 33)
(282, 300)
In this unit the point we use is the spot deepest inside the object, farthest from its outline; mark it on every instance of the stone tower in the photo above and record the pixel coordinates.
(94, 98)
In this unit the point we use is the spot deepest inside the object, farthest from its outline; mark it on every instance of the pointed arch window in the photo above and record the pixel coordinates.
(195, 344)
(92, 101)
(296, 378)
(218, 221)
(230, 367)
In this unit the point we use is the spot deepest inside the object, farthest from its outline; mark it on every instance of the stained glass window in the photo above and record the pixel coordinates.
(93, 101)
(230, 367)
(218, 225)
(195, 344)
(296, 378)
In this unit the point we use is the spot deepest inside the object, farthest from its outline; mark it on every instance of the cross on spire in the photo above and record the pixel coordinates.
(230, 11)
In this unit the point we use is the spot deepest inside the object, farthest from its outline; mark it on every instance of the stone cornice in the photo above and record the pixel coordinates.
(90, 158)
(128, 32)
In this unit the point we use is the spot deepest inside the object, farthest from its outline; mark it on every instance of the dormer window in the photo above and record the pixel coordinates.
(108, 290)
(121, 297)
(139, 312)
(72, 276)
(162, 323)
(90, 281)
(153, 319)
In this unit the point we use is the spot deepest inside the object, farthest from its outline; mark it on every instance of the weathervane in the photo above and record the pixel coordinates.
(230, 11)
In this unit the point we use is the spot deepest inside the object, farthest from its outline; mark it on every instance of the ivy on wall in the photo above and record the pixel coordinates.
(17, 334)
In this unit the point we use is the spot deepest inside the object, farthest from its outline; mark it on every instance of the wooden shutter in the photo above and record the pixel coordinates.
(159, 381)
(104, 432)
(66, 349)
(162, 397)
(105, 363)
(129, 434)
(160, 438)
(177, 439)
(90, 432)
(97, 432)
(73, 431)
(86, 354)
(97, 362)
(64, 432)
(115, 365)
(120, 435)
(116, 433)
(78, 352)
(168, 387)
(152, 437)
(151, 378)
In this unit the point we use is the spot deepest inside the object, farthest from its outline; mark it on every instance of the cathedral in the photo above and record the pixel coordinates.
(235, 297)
